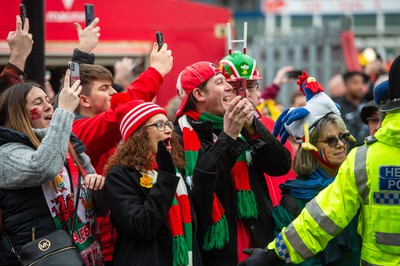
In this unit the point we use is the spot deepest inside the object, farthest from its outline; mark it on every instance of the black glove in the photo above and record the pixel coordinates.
(164, 159)
(261, 257)
(208, 161)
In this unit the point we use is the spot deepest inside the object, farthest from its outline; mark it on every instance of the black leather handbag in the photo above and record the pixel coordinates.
(56, 248)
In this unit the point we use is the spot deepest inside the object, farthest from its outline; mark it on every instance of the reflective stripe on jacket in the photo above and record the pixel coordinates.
(372, 183)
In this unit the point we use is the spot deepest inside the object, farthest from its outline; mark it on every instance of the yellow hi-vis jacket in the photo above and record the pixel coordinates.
(370, 179)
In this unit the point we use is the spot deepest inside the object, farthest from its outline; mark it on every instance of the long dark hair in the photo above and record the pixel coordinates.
(13, 113)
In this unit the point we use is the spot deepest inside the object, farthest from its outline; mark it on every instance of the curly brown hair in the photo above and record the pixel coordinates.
(135, 153)
(132, 153)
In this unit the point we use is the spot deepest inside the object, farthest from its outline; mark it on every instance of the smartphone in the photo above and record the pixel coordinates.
(74, 67)
(242, 87)
(294, 74)
(159, 39)
(89, 14)
(22, 13)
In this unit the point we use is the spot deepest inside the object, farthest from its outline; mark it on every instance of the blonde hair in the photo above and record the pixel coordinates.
(13, 101)
(304, 163)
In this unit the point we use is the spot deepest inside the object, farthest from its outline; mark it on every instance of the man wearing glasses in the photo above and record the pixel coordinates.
(237, 67)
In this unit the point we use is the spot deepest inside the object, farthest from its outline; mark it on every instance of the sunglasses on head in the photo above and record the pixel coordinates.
(334, 141)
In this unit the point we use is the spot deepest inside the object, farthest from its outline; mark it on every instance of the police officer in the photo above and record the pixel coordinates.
(368, 180)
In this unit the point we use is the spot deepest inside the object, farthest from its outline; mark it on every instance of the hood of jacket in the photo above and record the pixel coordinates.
(8, 135)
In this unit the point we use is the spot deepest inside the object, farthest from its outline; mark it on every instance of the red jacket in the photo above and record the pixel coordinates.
(101, 135)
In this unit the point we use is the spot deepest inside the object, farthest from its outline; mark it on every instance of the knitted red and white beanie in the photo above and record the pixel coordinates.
(131, 115)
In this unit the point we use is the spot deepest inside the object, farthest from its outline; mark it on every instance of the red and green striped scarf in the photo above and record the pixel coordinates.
(180, 223)
(217, 235)
(179, 219)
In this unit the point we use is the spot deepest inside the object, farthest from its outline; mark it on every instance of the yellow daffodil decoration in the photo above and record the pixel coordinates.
(146, 181)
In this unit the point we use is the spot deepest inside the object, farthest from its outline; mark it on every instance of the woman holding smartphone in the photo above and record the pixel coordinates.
(40, 165)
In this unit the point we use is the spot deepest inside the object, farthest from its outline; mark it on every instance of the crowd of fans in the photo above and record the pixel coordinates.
(212, 174)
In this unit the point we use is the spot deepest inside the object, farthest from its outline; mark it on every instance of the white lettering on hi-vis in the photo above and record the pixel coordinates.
(389, 178)
(394, 184)
(392, 172)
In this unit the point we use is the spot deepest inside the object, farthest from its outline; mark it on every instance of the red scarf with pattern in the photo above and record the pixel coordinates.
(60, 200)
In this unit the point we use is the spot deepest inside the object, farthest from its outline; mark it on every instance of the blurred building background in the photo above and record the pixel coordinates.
(316, 35)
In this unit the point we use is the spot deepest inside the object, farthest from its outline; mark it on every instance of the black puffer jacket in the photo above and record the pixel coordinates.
(24, 210)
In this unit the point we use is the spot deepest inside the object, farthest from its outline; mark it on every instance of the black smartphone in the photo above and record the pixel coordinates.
(294, 74)
(159, 39)
(74, 67)
(22, 13)
(89, 14)
(242, 87)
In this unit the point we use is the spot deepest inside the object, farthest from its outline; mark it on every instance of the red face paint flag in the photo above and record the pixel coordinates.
(34, 114)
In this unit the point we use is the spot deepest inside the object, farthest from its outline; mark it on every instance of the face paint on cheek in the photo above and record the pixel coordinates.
(322, 152)
(34, 114)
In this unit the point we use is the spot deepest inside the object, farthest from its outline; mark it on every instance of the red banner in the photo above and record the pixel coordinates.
(131, 25)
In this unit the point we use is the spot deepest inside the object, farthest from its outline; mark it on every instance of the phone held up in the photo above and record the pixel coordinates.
(242, 87)
(159, 39)
(89, 14)
(74, 68)
(294, 74)
(22, 13)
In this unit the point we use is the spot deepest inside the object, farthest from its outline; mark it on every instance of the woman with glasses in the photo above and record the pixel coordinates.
(323, 135)
(316, 170)
(150, 203)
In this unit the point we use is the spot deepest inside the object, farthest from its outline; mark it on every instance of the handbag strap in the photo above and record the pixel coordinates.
(13, 250)
(78, 191)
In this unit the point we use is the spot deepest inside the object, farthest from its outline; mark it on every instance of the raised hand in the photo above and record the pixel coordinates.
(239, 112)
(161, 60)
(20, 43)
(123, 71)
(280, 77)
(89, 36)
(248, 125)
(69, 95)
(164, 159)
